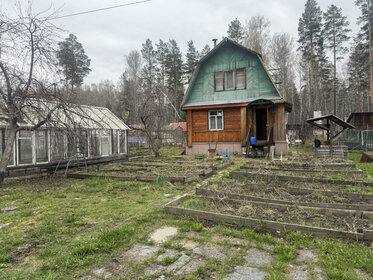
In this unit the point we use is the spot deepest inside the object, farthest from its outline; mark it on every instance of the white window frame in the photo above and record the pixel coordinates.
(33, 157)
(216, 118)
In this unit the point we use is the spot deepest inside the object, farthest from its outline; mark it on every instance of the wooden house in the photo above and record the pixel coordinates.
(232, 98)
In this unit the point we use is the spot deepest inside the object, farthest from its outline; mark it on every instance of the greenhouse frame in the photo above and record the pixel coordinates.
(79, 133)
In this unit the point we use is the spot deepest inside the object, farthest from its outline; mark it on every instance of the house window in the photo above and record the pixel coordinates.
(240, 78)
(216, 120)
(230, 80)
(219, 81)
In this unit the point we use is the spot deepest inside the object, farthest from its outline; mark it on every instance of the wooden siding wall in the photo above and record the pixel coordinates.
(279, 129)
(199, 132)
(237, 123)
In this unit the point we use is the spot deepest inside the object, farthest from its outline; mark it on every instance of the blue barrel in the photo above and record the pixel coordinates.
(252, 140)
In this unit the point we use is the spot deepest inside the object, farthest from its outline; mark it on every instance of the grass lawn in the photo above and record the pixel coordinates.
(64, 228)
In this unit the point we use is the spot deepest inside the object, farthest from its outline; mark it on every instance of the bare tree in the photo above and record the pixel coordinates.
(257, 35)
(27, 67)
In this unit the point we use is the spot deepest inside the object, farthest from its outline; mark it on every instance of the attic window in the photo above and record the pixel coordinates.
(219, 81)
(230, 80)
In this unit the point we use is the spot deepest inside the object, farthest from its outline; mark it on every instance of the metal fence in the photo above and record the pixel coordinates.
(359, 139)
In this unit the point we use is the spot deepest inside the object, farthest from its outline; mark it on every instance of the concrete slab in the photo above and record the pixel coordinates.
(138, 253)
(163, 234)
(210, 251)
(168, 253)
(307, 255)
(151, 270)
(183, 260)
(246, 273)
(258, 257)
(191, 267)
(299, 272)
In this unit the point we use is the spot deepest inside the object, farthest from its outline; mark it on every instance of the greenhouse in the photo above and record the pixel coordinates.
(72, 133)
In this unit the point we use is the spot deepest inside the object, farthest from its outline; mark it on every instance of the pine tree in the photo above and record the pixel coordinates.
(309, 30)
(335, 35)
(192, 56)
(149, 69)
(365, 37)
(161, 56)
(206, 49)
(174, 76)
(73, 61)
(235, 31)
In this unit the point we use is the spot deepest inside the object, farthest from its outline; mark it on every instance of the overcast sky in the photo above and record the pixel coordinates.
(107, 36)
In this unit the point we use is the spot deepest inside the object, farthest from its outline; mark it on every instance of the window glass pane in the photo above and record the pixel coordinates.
(57, 145)
(229, 82)
(212, 123)
(219, 81)
(122, 142)
(95, 144)
(240, 79)
(219, 122)
(25, 150)
(105, 147)
(83, 143)
(213, 113)
(115, 142)
(41, 147)
(25, 133)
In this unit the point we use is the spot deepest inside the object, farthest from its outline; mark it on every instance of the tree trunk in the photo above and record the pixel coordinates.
(10, 137)
(370, 57)
(335, 76)
(311, 97)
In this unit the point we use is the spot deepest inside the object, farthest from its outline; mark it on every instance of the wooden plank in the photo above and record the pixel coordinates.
(305, 170)
(284, 178)
(262, 225)
(348, 206)
(215, 106)
(243, 126)
(284, 207)
(300, 191)
(190, 127)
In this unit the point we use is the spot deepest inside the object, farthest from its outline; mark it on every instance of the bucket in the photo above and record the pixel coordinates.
(252, 140)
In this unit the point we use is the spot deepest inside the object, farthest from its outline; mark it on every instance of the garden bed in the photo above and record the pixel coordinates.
(261, 219)
(287, 178)
(172, 171)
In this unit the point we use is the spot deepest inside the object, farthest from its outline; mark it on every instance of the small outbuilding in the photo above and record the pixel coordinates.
(231, 98)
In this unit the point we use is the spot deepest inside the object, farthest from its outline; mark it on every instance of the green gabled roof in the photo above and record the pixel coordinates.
(229, 55)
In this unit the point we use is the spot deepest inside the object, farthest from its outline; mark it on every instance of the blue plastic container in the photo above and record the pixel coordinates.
(252, 140)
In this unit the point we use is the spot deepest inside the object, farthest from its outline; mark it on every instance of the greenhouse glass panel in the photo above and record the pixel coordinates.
(41, 146)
